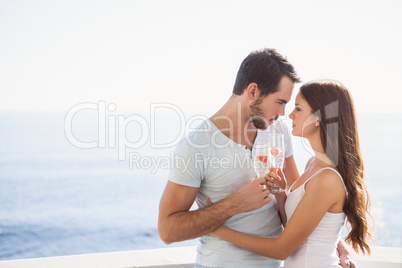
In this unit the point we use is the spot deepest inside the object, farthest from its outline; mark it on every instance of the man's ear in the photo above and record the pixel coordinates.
(252, 91)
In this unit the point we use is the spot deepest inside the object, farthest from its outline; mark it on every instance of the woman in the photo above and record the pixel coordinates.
(331, 189)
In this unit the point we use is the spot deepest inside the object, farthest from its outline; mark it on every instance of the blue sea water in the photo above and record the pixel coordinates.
(57, 199)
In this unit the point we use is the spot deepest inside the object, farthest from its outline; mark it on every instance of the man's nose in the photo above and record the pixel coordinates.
(281, 111)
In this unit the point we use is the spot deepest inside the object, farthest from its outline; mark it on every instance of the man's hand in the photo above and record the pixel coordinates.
(344, 255)
(177, 223)
(250, 196)
(345, 262)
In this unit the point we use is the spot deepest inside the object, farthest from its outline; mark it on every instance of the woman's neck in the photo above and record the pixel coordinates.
(321, 159)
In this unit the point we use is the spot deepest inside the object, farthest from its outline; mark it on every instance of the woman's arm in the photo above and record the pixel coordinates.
(270, 179)
(323, 192)
(281, 199)
(260, 245)
(290, 170)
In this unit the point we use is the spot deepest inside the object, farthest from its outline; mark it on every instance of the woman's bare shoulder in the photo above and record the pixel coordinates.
(329, 181)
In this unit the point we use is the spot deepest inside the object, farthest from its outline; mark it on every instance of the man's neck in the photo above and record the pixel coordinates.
(232, 120)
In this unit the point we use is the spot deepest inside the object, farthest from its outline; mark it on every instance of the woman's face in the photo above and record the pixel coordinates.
(304, 123)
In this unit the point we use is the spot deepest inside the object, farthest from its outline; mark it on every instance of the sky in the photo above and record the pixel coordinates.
(57, 54)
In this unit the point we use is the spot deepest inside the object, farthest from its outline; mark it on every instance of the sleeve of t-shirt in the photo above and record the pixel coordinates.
(187, 165)
(287, 136)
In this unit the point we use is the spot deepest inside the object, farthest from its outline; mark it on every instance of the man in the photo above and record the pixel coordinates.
(219, 167)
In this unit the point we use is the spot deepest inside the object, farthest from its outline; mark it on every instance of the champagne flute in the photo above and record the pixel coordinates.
(260, 155)
(276, 156)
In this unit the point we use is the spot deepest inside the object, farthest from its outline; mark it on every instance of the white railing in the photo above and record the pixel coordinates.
(180, 257)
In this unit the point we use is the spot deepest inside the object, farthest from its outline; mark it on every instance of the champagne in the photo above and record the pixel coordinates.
(260, 164)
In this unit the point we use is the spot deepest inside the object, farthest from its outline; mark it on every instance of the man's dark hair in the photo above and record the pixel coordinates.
(265, 67)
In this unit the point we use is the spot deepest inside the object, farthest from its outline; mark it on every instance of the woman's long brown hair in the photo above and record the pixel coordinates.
(333, 104)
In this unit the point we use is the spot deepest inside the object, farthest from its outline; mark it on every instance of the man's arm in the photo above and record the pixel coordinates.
(176, 223)
(290, 171)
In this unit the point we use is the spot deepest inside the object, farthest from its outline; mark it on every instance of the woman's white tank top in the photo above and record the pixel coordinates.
(319, 250)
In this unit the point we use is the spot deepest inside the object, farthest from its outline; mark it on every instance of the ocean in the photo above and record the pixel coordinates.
(95, 187)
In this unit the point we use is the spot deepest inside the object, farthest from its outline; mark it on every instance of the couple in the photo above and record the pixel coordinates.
(242, 224)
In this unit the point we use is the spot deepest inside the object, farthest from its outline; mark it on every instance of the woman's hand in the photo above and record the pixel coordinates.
(275, 176)
(220, 232)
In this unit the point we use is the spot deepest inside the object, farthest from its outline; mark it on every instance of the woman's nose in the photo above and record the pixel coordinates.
(291, 115)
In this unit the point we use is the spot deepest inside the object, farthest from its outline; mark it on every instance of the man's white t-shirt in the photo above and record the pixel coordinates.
(209, 160)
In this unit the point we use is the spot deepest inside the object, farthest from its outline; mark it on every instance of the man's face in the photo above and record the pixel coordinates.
(264, 111)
